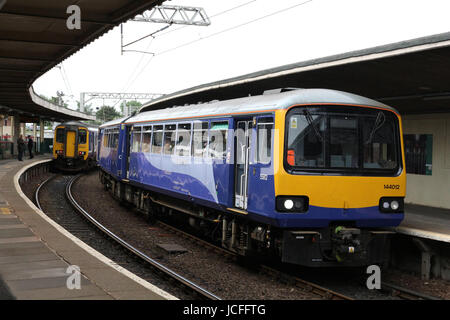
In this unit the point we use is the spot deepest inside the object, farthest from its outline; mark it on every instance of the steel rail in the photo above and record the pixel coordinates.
(36, 194)
(406, 294)
(306, 285)
(203, 292)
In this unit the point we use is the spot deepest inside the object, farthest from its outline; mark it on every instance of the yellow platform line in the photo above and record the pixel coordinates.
(5, 211)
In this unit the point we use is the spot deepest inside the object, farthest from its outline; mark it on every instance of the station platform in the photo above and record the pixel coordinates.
(35, 255)
(426, 222)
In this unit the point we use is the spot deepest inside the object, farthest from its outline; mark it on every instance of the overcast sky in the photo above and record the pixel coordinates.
(244, 36)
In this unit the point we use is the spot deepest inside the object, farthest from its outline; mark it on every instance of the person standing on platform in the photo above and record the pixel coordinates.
(20, 147)
(30, 146)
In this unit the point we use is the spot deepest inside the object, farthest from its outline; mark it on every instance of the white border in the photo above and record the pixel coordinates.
(83, 245)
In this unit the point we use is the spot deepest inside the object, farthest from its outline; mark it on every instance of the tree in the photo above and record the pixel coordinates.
(58, 100)
(132, 105)
(87, 108)
(107, 113)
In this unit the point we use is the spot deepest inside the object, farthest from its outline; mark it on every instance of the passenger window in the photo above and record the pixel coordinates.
(105, 139)
(82, 136)
(264, 137)
(200, 139)
(116, 139)
(146, 138)
(157, 139)
(91, 142)
(183, 140)
(110, 139)
(218, 140)
(60, 135)
(136, 139)
(169, 138)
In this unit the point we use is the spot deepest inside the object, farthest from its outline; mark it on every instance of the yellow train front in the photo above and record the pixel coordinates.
(340, 182)
(74, 146)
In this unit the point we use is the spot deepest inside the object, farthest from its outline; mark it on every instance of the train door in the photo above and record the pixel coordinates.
(127, 151)
(122, 156)
(70, 143)
(243, 140)
(261, 172)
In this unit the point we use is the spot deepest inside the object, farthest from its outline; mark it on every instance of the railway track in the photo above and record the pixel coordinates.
(300, 283)
(404, 293)
(326, 293)
(160, 268)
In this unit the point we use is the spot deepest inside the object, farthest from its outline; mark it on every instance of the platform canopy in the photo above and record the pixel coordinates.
(34, 38)
(412, 76)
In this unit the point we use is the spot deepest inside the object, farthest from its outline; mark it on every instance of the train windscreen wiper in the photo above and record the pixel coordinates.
(379, 122)
(310, 120)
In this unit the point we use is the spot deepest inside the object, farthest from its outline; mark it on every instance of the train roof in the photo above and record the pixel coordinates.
(254, 104)
(114, 122)
(80, 124)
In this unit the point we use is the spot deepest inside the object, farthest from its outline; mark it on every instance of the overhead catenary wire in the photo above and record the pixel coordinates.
(128, 85)
(65, 78)
(220, 32)
(213, 16)
(234, 27)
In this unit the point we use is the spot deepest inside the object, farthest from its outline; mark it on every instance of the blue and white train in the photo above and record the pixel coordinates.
(312, 176)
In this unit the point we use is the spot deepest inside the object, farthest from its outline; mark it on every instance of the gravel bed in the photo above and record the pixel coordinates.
(29, 187)
(433, 287)
(225, 278)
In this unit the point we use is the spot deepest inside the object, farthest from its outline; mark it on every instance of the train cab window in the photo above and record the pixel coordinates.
(344, 142)
(379, 142)
(146, 139)
(82, 136)
(136, 139)
(218, 140)
(182, 147)
(264, 138)
(60, 135)
(306, 147)
(169, 138)
(344, 139)
(200, 139)
(157, 139)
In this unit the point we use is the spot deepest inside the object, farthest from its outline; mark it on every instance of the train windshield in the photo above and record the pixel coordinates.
(341, 139)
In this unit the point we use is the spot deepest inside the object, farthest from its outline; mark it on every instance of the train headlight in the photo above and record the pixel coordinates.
(288, 204)
(391, 205)
(292, 204)
(395, 205)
